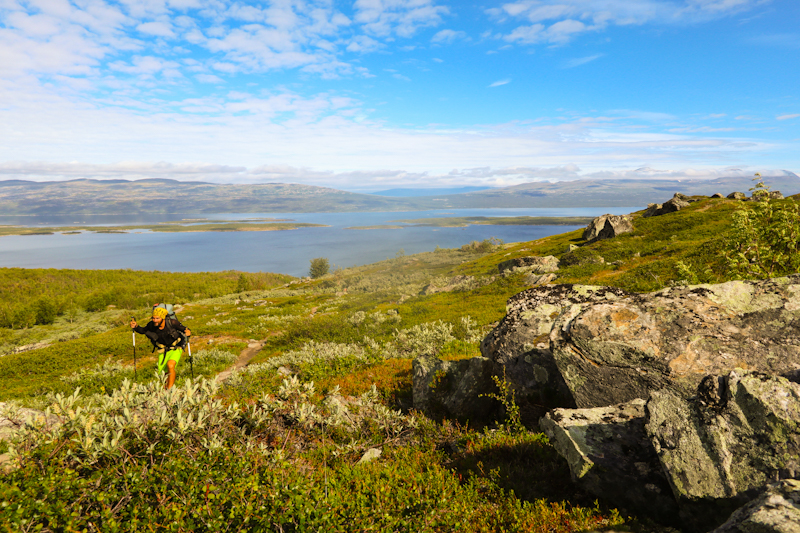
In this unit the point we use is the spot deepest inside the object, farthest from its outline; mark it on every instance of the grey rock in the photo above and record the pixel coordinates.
(536, 265)
(13, 418)
(717, 195)
(539, 279)
(453, 389)
(369, 456)
(608, 227)
(777, 510)
(521, 341)
(726, 444)
(736, 196)
(610, 456)
(676, 203)
(613, 347)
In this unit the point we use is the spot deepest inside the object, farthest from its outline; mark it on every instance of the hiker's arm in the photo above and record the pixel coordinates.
(183, 329)
(137, 328)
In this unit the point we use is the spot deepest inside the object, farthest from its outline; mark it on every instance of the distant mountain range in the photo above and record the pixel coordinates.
(151, 196)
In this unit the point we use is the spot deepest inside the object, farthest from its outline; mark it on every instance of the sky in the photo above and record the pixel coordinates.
(376, 94)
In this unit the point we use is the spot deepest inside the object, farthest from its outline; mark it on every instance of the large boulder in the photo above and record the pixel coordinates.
(453, 389)
(777, 510)
(610, 350)
(521, 341)
(610, 456)
(736, 195)
(608, 227)
(723, 446)
(676, 203)
(532, 264)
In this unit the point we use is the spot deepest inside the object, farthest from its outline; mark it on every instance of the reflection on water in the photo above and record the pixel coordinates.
(286, 252)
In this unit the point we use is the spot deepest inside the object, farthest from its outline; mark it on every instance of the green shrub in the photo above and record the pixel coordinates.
(319, 267)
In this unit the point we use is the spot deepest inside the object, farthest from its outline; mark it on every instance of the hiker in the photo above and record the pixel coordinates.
(165, 334)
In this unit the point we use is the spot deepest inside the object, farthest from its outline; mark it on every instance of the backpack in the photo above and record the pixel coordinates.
(169, 323)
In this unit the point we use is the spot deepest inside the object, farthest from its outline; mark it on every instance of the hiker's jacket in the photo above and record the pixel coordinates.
(166, 336)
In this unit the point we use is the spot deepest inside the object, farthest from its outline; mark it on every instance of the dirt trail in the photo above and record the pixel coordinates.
(247, 354)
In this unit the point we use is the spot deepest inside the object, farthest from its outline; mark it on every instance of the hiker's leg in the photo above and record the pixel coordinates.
(171, 376)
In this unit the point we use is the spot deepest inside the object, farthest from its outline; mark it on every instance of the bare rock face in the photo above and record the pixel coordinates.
(453, 389)
(608, 227)
(610, 455)
(719, 449)
(521, 341)
(777, 510)
(533, 264)
(613, 347)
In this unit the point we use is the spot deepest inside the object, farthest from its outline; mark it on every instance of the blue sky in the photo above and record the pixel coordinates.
(373, 94)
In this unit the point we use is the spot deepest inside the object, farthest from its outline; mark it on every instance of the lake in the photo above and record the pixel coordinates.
(287, 252)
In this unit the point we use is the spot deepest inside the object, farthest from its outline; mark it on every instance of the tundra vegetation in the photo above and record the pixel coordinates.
(277, 445)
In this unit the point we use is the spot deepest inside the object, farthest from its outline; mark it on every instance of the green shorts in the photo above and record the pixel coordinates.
(171, 355)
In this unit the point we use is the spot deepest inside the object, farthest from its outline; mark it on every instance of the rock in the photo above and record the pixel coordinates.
(737, 196)
(571, 247)
(13, 418)
(765, 195)
(717, 195)
(369, 456)
(775, 195)
(676, 203)
(536, 265)
(776, 511)
(723, 446)
(610, 456)
(452, 389)
(539, 279)
(521, 341)
(612, 346)
(607, 227)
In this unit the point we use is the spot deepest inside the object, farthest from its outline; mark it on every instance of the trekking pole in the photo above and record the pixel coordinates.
(133, 335)
(191, 359)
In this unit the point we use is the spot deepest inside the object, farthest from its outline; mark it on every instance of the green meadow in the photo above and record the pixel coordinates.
(277, 445)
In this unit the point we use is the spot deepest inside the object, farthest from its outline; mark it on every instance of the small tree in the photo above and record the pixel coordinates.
(319, 267)
(765, 237)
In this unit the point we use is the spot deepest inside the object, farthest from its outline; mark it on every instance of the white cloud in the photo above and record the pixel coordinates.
(498, 83)
(159, 29)
(404, 18)
(578, 61)
(787, 117)
(559, 21)
(448, 36)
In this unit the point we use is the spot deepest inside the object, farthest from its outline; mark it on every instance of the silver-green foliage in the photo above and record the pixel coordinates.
(138, 421)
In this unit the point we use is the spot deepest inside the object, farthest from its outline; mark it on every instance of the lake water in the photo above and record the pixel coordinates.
(287, 252)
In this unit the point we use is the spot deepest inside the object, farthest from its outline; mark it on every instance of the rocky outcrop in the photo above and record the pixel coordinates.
(539, 279)
(453, 389)
(610, 456)
(587, 346)
(736, 196)
(676, 203)
(717, 195)
(608, 227)
(611, 350)
(726, 444)
(777, 510)
(521, 341)
(533, 264)
(689, 462)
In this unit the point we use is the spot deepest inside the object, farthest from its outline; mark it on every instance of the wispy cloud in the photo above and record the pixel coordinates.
(448, 36)
(787, 117)
(578, 61)
(498, 83)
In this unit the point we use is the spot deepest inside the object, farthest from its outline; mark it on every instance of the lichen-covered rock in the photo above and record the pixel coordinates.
(777, 510)
(723, 446)
(533, 264)
(539, 279)
(608, 227)
(521, 341)
(610, 456)
(717, 195)
(737, 196)
(676, 203)
(453, 389)
(613, 347)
